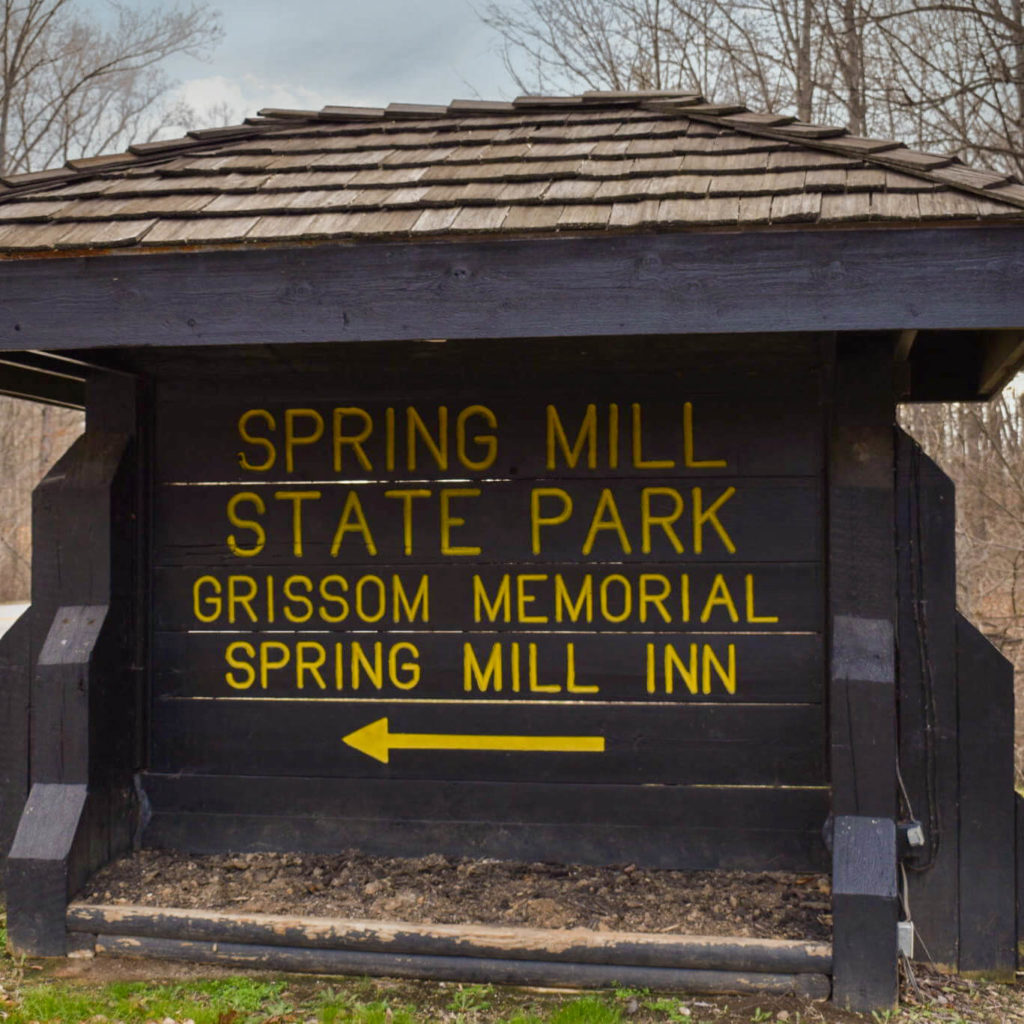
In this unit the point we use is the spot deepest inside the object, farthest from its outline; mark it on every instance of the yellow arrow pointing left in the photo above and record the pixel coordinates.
(377, 742)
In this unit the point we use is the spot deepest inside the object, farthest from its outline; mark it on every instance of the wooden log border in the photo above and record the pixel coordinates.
(576, 945)
(479, 953)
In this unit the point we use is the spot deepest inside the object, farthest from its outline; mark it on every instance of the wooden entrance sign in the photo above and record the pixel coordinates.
(545, 590)
(598, 582)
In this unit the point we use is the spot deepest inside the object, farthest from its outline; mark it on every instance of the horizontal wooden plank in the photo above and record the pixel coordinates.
(463, 430)
(792, 809)
(657, 596)
(577, 945)
(677, 847)
(762, 519)
(38, 385)
(467, 668)
(404, 372)
(697, 827)
(460, 968)
(723, 744)
(711, 282)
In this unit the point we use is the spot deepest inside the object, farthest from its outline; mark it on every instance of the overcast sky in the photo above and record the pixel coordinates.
(308, 53)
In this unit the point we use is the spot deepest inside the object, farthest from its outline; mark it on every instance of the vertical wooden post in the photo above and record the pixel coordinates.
(15, 673)
(987, 808)
(82, 701)
(929, 754)
(862, 692)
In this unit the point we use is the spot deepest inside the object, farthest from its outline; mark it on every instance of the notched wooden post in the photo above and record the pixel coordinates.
(78, 813)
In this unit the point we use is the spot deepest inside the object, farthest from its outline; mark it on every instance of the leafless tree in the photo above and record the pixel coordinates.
(32, 438)
(71, 84)
(946, 75)
(981, 448)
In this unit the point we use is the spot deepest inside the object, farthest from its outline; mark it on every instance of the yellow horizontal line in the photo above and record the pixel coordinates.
(522, 701)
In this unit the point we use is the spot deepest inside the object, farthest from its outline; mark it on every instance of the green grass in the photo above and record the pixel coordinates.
(232, 1001)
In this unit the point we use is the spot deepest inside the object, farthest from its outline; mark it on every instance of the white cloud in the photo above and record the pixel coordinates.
(243, 97)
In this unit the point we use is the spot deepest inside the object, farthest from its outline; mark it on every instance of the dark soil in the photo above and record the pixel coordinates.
(449, 890)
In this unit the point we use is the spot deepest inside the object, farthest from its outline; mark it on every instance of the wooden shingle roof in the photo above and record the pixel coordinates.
(600, 162)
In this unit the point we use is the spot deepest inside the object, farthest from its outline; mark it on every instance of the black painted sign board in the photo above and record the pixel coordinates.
(458, 563)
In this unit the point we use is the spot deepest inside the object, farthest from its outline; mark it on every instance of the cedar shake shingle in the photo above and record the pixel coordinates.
(541, 165)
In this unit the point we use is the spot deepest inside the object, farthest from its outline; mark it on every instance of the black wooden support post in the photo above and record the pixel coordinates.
(862, 599)
(15, 659)
(987, 808)
(82, 702)
(929, 754)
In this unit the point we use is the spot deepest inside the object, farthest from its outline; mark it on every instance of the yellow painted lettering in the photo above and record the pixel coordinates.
(246, 524)
(483, 605)
(487, 442)
(751, 616)
(626, 608)
(293, 440)
(613, 435)
(309, 657)
(406, 497)
(719, 596)
(406, 674)
(606, 517)
(727, 676)
(710, 515)
(292, 591)
(207, 605)
(327, 585)
(537, 520)
(654, 590)
(231, 657)
(524, 599)
(673, 664)
(586, 437)
(483, 678)
(297, 498)
(688, 445)
(639, 462)
(360, 663)
(415, 427)
(448, 520)
(565, 607)
(420, 604)
(389, 438)
(260, 442)
(352, 520)
(648, 519)
(371, 609)
(571, 685)
(535, 685)
(353, 441)
(269, 664)
(241, 592)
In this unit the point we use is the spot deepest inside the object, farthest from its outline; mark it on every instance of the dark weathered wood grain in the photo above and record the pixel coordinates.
(15, 677)
(926, 535)
(771, 519)
(578, 945)
(658, 597)
(82, 704)
(987, 807)
(862, 598)
(830, 280)
(459, 968)
(657, 826)
(714, 744)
